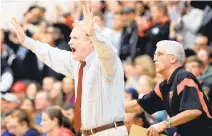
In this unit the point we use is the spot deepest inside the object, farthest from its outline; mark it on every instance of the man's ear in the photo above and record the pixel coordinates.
(173, 59)
(91, 46)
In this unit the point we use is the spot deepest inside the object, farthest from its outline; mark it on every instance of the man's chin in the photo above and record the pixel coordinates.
(157, 70)
(75, 57)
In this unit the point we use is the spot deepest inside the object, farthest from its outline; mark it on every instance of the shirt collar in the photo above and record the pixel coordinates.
(89, 58)
(174, 74)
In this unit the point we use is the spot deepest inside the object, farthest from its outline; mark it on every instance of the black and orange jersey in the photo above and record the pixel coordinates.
(181, 92)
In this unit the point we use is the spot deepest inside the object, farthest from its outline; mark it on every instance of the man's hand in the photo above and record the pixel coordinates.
(155, 129)
(89, 20)
(19, 30)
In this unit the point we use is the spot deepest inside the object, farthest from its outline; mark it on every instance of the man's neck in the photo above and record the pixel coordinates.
(167, 74)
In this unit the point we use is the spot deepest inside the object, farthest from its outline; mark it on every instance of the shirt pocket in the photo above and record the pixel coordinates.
(91, 93)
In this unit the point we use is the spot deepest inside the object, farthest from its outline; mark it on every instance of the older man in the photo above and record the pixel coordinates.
(180, 95)
(98, 73)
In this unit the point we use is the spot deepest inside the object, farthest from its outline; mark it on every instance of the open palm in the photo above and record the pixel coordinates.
(19, 30)
(89, 20)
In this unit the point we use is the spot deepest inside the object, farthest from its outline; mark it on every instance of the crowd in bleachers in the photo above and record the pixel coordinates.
(35, 100)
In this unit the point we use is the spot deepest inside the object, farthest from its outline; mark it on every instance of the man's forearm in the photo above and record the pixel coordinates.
(133, 106)
(105, 53)
(102, 49)
(184, 117)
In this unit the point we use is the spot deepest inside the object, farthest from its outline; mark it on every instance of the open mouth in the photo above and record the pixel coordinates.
(73, 49)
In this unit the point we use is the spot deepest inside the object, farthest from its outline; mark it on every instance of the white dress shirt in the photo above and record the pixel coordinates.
(103, 79)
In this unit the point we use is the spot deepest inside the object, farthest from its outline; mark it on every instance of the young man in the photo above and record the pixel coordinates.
(180, 95)
(194, 65)
(97, 70)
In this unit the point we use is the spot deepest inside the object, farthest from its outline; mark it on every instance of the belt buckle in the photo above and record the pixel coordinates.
(92, 131)
(84, 132)
(115, 124)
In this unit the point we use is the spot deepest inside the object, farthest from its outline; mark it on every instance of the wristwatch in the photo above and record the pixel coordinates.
(168, 123)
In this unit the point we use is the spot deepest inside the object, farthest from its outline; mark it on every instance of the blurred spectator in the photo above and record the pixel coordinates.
(146, 84)
(131, 94)
(137, 119)
(204, 56)
(32, 89)
(6, 79)
(56, 94)
(9, 103)
(21, 123)
(129, 34)
(101, 22)
(144, 66)
(118, 26)
(111, 8)
(160, 27)
(33, 15)
(52, 123)
(48, 83)
(201, 42)
(194, 65)
(68, 89)
(129, 71)
(29, 106)
(19, 89)
(4, 126)
(42, 102)
(140, 8)
(69, 112)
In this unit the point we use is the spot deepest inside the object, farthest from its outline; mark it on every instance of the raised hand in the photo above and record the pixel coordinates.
(19, 30)
(89, 20)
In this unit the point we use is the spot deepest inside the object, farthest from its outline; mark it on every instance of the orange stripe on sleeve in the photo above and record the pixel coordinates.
(190, 83)
(157, 91)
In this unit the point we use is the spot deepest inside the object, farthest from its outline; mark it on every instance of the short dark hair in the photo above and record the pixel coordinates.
(55, 113)
(69, 106)
(143, 117)
(195, 59)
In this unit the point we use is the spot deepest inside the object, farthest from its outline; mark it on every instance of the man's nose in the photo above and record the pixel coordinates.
(69, 42)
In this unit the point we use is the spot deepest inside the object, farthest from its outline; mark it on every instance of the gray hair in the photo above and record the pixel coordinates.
(173, 48)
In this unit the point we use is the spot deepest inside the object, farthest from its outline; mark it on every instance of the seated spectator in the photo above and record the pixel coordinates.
(131, 94)
(144, 66)
(6, 79)
(137, 119)
(9, 103)
(19, 89)
(204, 56)
(146, 84)
(194, 65)
(160, 27)
(69, 112)
(56, 94)
(29, 106)
(42, 102)
(4, 126)
(201, 42)
(32, 89)
(68, 89)
(53, 123)
(48, 83)
(22, 124)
